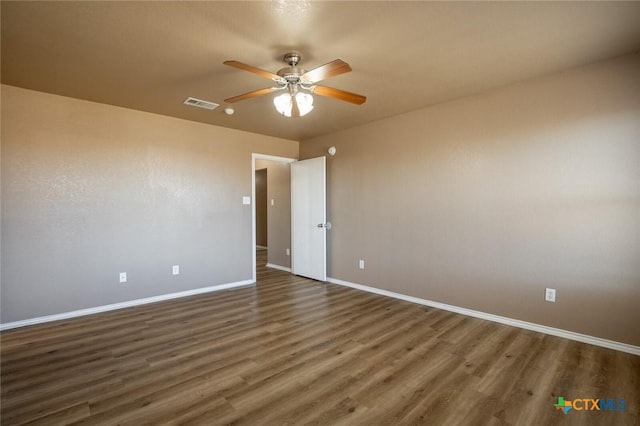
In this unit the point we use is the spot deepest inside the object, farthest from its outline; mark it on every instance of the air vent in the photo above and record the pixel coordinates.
(200, 103)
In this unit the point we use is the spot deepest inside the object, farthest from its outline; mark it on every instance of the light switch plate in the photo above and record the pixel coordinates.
(550, 294)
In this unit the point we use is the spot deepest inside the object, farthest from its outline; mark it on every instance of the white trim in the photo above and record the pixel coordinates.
(121, 305)
(273, 158)
(281, 268)
(622, 347)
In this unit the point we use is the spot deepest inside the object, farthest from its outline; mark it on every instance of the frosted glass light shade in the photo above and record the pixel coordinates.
(284, 103)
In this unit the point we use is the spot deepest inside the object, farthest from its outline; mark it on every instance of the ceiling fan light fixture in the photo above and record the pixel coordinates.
(293, 79)
(284, 103)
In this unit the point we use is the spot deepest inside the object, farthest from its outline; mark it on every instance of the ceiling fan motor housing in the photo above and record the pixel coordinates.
(292, 58)
(292, 74)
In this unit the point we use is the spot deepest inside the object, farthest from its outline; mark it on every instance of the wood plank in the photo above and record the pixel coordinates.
(296, 351)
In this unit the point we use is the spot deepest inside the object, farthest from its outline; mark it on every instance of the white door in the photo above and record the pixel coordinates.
(308, 219)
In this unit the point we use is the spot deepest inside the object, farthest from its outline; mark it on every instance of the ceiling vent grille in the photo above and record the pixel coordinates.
(200, 103)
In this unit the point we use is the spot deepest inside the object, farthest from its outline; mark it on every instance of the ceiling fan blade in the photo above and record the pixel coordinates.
(325, 71)
(251, 94)
(343, 95)
(253, 69)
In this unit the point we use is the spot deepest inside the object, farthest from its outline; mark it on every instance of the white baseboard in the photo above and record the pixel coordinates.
(127, 304)
(282, 268)
(622, 347)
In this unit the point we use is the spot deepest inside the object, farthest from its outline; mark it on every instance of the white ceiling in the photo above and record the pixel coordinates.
(151, 56)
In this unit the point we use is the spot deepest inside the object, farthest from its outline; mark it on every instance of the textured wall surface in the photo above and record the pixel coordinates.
(90, 190)
(484, 202)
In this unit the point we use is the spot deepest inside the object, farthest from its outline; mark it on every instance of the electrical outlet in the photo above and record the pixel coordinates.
(176, 270)
(361, 264)
(288, 252)
(123, 277)
(550, 294)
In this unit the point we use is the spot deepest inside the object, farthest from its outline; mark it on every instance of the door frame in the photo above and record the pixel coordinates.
(254, 157)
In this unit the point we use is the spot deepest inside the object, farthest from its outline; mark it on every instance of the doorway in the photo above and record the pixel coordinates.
(262, 222)
(276, 201)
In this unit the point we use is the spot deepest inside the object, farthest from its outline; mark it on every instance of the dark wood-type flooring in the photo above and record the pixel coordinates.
(295, 351)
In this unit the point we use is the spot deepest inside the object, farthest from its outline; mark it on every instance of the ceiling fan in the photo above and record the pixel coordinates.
(298, 84)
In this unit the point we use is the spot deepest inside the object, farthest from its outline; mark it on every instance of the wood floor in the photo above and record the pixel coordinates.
(295, 351)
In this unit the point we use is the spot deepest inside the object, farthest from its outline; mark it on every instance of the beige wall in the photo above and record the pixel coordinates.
(483, 202)
(278, 214)
(90, 190)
